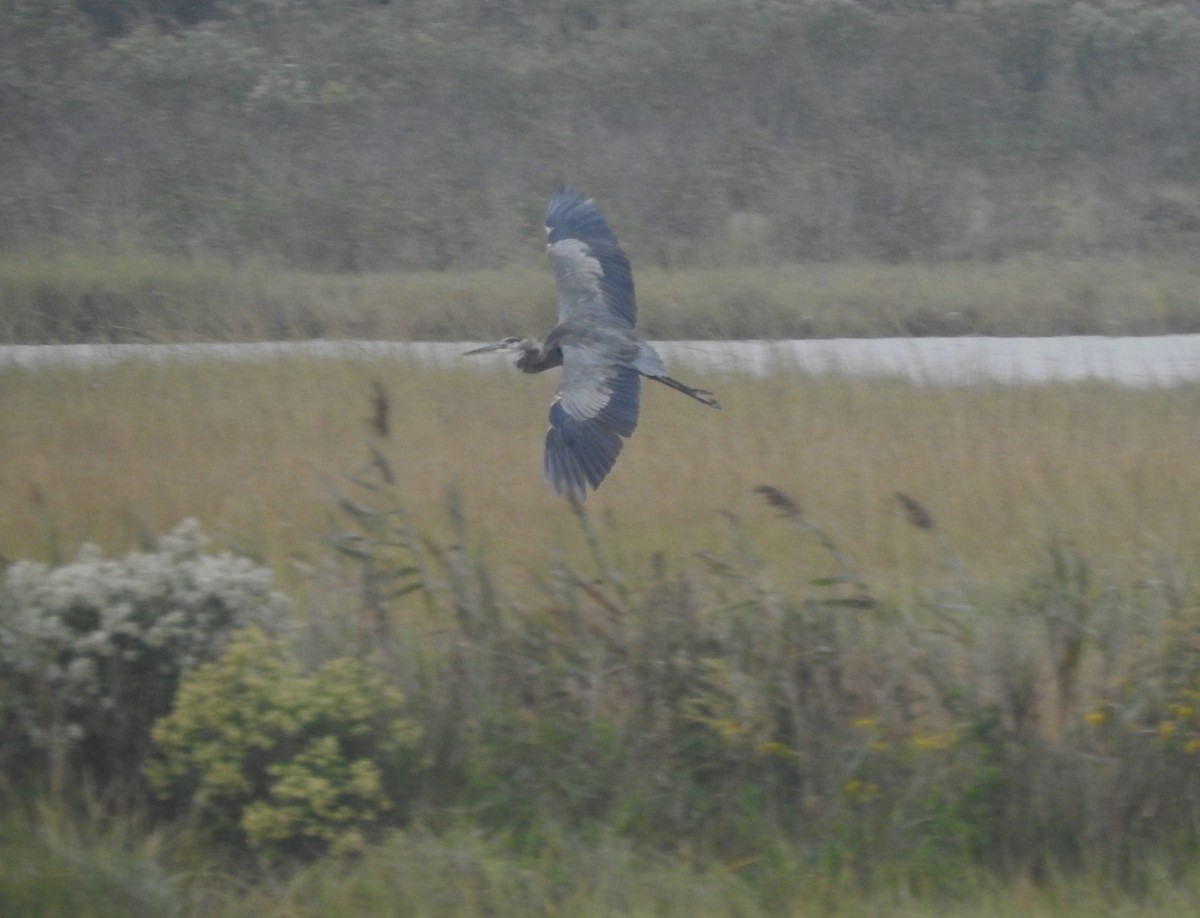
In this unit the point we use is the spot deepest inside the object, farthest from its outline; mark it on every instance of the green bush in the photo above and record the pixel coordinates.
(289, 764)
(91, 652)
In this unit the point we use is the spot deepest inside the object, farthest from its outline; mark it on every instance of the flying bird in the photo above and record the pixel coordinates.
(602, 358)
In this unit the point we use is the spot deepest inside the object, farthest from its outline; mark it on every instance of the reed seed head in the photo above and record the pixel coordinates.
(916, 514)
(780, 501)
(381, 410)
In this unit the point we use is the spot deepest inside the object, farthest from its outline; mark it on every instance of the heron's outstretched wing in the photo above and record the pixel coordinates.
(591, 271)
(595, 406)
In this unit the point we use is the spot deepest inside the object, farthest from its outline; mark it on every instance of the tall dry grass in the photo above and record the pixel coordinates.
(115, 453)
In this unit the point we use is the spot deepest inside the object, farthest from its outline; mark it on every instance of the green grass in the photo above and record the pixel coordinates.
(56, 865)
(71, 296)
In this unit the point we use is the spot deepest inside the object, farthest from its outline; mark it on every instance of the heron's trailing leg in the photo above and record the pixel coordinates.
(700, 395)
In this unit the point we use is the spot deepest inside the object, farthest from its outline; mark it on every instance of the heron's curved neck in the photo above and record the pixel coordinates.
(536, 357)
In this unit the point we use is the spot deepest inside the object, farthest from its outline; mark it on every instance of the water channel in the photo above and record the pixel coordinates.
(1131, 361)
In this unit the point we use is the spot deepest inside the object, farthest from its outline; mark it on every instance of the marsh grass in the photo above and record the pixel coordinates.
(468, 875)
(57, 865)
(749, 672)
(61, 863)
(117, 454)
(605, 742)
(69, 295)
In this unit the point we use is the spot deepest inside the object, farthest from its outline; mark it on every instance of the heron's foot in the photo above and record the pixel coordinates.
(702, 395)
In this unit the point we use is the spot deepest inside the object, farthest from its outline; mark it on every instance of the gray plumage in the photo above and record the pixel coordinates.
(603, 358)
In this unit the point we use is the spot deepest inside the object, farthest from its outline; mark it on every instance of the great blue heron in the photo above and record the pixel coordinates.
(602, 357)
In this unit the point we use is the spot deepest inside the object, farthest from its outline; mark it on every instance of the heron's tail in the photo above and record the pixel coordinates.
(700, 395)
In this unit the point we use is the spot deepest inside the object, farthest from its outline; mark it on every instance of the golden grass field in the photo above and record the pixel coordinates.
(253, 451)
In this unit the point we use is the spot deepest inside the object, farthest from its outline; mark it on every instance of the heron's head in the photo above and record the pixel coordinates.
(506, 344)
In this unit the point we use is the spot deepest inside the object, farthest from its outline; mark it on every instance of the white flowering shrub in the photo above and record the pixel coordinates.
(91, 652)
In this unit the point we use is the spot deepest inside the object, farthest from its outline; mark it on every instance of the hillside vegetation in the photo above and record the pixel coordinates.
(356, 135)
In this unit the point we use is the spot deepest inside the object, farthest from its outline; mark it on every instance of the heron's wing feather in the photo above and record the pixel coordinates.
(595, 406)
(592, 273)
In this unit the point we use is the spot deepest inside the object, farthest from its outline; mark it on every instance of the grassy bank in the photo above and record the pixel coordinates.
(72, 296)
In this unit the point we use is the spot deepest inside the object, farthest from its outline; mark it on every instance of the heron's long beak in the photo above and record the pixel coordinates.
(483, 350)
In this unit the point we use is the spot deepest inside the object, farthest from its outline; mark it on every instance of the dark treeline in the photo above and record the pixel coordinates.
(365, 135)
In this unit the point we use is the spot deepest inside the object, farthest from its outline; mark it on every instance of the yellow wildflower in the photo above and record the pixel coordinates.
(933, 742)
(774, 748)
(860, 791)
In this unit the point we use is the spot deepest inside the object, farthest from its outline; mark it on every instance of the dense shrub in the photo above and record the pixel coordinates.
(91, 652)
(288, 763)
